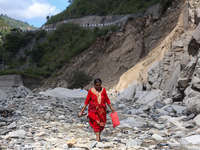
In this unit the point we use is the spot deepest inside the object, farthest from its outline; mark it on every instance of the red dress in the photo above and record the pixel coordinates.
(97, 108)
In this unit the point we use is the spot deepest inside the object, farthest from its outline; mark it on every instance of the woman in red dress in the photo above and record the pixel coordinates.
(97, 99)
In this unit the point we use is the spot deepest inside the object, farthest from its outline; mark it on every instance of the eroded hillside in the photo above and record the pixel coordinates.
(111, 56)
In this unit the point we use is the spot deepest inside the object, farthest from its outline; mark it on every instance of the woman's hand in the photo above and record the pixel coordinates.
(82, 111)
(80, 114)
(113, 110)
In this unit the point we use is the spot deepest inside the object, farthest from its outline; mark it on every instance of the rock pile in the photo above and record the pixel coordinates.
(163, 113)
(33, 121)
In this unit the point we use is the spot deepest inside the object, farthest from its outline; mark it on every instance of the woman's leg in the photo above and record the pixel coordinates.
(98, 135)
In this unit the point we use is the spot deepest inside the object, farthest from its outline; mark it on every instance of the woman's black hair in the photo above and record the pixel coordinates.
(97, 80)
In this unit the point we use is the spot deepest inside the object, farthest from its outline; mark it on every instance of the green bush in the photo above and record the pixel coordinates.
(14, 41)
(40, 34)
(78, 79)
(165, 4)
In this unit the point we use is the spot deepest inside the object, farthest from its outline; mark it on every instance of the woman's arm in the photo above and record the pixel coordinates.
(83, 108)
(87, 101)
(108, 101)
(113, 110)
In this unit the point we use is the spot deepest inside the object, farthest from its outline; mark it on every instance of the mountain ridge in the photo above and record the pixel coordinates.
(14, 23)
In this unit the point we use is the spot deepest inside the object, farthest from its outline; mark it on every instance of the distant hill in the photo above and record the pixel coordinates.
(13, 23)
(2, 23)
(7, 23)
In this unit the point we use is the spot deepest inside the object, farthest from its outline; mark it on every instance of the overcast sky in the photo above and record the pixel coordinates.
(32, 11)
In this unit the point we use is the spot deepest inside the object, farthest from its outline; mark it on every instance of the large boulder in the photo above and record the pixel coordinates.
(153, 73)
(197, 120)
(171, 81)
(135, 121)
(194, 140)
(178, 109)
(129, 93)
(196, 33)
(193, 106)
(65, 93)
(150, 97)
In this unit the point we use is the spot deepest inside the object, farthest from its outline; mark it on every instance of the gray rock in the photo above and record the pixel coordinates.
(161, 112)
(158, 105)
(170, 109)
(196, 86)
(157, 137)
(152, 147)
(168, 101)
(193, 106)
(194, 139)
(150, 97)
(93, 144)
(17, 134)
(189, 125)
(129, 93)
(12, 125)
(170, 84)
(159, 126)
(179, 109)
(104, 145)
(196, 33)
(197, 120)
(183, 82)
(177, 95)
(76, 149)
(2, 95)
(173, 143)
(128, 112)
(190, 93)
(153, 73)
(134, 121)
(137, 111)
(178, 134)
(155, 117)
(191, 116)
(61, 117)
(65, 93)
(133, 142)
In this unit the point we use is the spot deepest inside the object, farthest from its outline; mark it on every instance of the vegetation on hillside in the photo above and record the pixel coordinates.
(78, 79)
(13, 23)
(7, 23)
(49, 52)
(80, 8)
(56, 50)
(4, 29)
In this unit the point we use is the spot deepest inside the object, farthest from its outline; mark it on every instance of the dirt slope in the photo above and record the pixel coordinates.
(111, 56)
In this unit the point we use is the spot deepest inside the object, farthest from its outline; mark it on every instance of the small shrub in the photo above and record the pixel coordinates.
(78, 79)
(165, 4)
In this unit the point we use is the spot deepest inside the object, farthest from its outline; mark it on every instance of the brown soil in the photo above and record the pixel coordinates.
(111, 56)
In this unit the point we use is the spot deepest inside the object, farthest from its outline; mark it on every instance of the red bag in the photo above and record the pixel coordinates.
(115, 119)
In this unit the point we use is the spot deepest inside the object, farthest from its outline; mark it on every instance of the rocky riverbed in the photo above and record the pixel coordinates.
(33, 121)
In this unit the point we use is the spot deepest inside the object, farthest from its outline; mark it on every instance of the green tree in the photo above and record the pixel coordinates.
(48, 17)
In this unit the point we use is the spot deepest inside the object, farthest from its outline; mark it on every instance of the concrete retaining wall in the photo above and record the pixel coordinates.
(102, 21)
(10, 81)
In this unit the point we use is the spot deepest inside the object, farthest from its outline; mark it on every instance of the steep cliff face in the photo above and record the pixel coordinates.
(111, 56)
(173, 66)
(139, 73)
